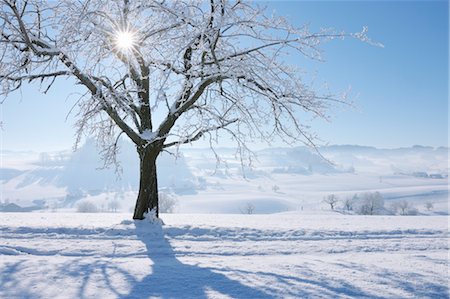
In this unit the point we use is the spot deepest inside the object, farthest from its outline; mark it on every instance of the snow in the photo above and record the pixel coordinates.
(285, 255)
(148, 135)
(293, 179)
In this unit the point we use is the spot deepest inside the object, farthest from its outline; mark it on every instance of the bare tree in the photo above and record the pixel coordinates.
(248, 209)
(348, 203)
(332, 200)
(403, 207)
(167, 73)
(113, 205)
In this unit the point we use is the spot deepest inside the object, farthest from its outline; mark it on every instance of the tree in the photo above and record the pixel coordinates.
(429, 205)
(371, 203)
(86, 207)
(113, 205)
(348, 203)
(403, 206)
(248, 209)
(331, 200)
(167, 73)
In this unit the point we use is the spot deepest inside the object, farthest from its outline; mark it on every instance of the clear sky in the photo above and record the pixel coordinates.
(401, 90)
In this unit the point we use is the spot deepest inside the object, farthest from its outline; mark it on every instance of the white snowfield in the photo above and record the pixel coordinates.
(285, 255)
(282, 179)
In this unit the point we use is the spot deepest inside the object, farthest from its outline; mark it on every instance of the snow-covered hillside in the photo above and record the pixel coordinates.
(280, 179)
(288, 255)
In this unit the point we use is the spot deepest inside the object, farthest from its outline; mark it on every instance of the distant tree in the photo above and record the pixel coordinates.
(86, 207)
(348, 203)
(332, 200)
(371, 203)
(429, 205)
(248, 209)
(113, 205)
(404, 208)
(197, 67)
(167, 203)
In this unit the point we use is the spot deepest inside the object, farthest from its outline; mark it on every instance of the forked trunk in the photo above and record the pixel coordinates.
(148, 186)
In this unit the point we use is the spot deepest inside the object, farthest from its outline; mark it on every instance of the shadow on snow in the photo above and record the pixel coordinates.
(169, 277)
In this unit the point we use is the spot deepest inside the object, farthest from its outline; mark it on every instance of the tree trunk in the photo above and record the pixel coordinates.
(148, 186)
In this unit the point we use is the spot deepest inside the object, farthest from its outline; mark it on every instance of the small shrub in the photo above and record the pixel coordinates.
(404, 208)
(86, 207)
(167, 203)
(249, 209)
(113, 205)
(371, 203)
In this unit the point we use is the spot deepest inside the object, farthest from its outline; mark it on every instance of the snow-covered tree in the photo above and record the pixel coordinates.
(404, 208)
(370, 203)
(167, 73)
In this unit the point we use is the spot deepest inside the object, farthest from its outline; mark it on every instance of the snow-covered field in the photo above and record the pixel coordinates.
(282, 179)
(285, 255)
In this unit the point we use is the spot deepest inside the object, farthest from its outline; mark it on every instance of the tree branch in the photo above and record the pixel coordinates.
(199, 134)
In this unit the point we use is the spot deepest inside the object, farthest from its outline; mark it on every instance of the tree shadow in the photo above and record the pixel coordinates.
(171, 278)
(120, 270)
(8, 281)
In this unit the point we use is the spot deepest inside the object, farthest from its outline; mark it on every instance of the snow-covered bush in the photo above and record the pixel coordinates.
(412, 211)
(370, 203)
(429, 205)
(167, 203)
(404, 208)
(150, 216)
(86, 207)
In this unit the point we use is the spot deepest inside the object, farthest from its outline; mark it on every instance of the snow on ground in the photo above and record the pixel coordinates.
(282, 179)
(285, 255)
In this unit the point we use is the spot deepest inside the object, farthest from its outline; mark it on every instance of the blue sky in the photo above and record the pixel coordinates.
(400, 91)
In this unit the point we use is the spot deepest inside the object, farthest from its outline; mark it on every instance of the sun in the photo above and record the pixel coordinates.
(125, 40)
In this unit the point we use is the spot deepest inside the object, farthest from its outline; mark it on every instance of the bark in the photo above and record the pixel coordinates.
(148, 186)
